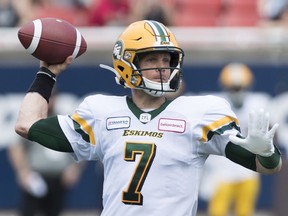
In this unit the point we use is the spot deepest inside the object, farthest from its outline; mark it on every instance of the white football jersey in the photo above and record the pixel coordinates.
(152, 160)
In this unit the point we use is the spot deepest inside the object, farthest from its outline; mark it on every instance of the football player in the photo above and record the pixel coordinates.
(234, 188)
(152, 149)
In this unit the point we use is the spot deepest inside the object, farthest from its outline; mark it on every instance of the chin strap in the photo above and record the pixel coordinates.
(157, 89)
(154, 93)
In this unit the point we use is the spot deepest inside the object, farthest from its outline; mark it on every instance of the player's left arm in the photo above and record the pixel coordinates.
(257, 151)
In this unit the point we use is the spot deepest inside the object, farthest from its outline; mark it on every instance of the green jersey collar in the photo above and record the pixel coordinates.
(138, 112)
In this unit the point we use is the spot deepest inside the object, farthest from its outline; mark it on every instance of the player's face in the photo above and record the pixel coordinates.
(160, 62)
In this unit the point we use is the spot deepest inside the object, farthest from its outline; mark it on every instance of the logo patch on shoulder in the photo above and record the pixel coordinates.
(172, 125)
(113, 123)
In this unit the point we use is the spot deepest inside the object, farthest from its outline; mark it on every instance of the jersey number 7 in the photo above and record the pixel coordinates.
(132, 195)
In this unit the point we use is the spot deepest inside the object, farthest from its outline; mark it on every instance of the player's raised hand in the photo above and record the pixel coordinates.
(259, 139)
(57, 68)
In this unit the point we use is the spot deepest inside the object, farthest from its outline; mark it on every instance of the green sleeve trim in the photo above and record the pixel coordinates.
(240, 156)
(48, 133)
(272, 161)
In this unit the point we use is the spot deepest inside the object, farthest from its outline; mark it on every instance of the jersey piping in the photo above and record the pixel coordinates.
(83, 128)
(218, 127)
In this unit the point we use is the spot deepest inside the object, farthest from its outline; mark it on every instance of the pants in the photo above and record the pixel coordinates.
(49, 205)
(242, 196)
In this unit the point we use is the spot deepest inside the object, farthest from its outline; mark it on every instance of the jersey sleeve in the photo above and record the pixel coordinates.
(48, 133)
(216, 125)
(79, 130)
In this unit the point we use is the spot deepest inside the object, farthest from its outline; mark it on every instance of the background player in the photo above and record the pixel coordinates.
(233, 186)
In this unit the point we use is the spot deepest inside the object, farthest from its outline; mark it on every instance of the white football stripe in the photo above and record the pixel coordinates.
(36, 37)
(78, 44)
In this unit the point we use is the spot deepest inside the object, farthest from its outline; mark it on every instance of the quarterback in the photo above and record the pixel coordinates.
(152, 149)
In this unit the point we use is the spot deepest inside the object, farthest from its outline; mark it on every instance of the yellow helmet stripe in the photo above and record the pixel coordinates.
(159, 30)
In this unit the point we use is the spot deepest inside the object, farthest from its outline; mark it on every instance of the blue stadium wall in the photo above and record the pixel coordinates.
(85, 80)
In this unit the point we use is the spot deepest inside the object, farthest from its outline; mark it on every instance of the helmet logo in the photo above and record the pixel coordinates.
(165, 42)
(117, 50)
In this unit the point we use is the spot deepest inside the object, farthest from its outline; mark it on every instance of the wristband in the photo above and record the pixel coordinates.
(46, 71)
(272, 161)
(43, 83)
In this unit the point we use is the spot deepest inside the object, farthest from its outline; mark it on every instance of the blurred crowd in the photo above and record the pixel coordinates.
(209, 13)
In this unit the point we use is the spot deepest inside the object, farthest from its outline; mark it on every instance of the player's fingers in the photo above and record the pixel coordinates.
(251, 123)
(58, 68)
(267, 122)
(69, 60)
(263, 121)
(65, 64)
(43, 64)
(272, 131)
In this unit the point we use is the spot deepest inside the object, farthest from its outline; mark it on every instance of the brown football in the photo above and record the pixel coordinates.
(52, 40)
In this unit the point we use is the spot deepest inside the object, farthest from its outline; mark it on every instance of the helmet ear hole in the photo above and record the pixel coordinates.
(121, 68)
(174, 83)
(122, 81)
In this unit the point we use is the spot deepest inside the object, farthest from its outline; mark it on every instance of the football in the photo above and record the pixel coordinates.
(52, 40)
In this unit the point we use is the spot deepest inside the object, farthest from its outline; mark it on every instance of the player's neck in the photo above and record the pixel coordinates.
(145, 101)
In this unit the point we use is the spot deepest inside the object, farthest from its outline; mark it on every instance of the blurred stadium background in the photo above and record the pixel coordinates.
(208, 49)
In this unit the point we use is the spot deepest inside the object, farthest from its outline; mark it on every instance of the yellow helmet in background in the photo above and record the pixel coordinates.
(236, 75)
(143, 37)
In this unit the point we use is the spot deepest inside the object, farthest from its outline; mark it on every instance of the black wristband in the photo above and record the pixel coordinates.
(272, 161)
(47, 72)
(43, 83)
